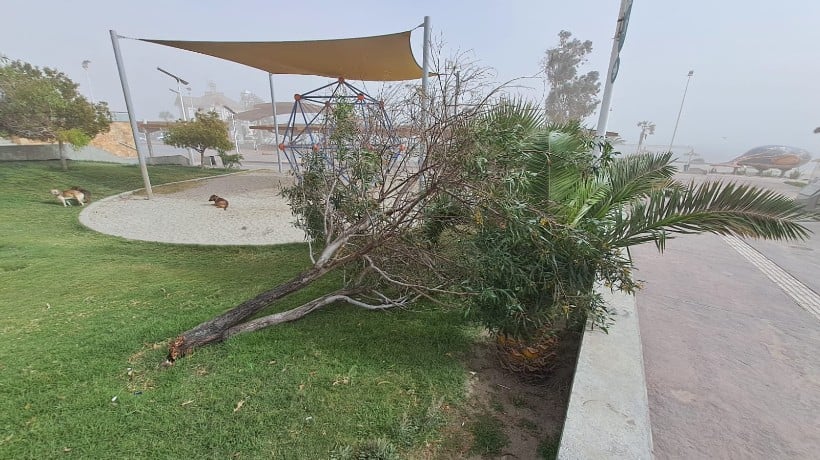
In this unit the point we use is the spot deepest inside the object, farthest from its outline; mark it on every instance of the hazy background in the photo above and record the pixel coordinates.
(756, 63)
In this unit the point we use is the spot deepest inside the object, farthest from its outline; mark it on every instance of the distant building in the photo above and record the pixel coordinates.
(211, 101)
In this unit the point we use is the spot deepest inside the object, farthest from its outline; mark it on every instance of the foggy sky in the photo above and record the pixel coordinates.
(756, 62)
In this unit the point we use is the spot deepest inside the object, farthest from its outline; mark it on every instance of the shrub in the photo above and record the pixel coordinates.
(231, 160)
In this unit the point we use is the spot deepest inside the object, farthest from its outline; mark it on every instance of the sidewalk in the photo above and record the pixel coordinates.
(731, 360)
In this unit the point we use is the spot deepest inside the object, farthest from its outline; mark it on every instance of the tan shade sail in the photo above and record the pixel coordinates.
(380, 58)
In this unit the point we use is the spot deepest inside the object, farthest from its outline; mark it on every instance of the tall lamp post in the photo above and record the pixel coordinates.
(180, 82)
(233, 127)
(88, 77)
(675, 131)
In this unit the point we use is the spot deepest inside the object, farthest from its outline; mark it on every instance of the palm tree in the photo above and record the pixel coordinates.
(563, 219)
(647, 129)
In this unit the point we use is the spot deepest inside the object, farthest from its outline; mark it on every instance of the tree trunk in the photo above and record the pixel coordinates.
(290, 315)
(63, 161)
(216, 330)
(202, 159)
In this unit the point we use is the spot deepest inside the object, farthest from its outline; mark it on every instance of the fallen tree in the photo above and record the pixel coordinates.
(363, 205)
(493, 204)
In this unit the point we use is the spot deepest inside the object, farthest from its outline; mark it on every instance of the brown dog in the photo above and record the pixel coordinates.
(85, 193)
(219, 202)
(66, 196)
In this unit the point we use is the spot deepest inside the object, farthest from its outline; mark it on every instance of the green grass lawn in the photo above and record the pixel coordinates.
(85, 317)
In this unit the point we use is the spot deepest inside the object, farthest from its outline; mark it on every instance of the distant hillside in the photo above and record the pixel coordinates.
(112, 141)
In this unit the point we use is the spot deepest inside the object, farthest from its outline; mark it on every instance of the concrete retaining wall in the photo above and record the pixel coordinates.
(169, 160)
(14, 152)
(608, 413)
(42, 152)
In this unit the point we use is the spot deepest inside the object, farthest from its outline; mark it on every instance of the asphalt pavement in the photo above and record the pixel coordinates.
(731, 347)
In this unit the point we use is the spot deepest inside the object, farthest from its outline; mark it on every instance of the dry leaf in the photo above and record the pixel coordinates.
(187, 402)
(239, 405)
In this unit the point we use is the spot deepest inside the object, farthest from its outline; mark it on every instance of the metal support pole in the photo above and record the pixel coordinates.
(425, 63)
(425, 98)
(148, 139)
(129, 106)
(675, 131)
(614, 65)
(275, 122)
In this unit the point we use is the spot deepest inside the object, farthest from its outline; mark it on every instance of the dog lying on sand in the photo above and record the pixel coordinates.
(77, 194)
(219, 202)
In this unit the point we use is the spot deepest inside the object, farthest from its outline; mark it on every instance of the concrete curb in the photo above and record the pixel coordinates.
(608, 413)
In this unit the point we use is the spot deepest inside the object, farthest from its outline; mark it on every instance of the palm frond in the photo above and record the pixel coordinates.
(514, 117)
(558, 162)
(715, 207)
(634, 176)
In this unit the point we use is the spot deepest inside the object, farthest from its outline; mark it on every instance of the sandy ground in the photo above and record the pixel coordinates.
(180, 213)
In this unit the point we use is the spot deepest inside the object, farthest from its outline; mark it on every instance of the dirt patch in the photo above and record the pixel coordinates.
(529, 411)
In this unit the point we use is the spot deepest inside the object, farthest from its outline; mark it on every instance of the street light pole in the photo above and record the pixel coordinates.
(685, 89)
(88, 77)
(233, 127)
(180, 82)
(624, 13)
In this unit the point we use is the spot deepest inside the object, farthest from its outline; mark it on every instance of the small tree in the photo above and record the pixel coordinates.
(205, 132)
(166, 115)
(572, 97)
(44, 105)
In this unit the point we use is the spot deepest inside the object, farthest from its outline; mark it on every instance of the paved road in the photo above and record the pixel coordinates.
(732, 362)
(800, 258)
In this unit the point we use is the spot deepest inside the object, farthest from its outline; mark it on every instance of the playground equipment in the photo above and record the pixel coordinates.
(313, 135)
